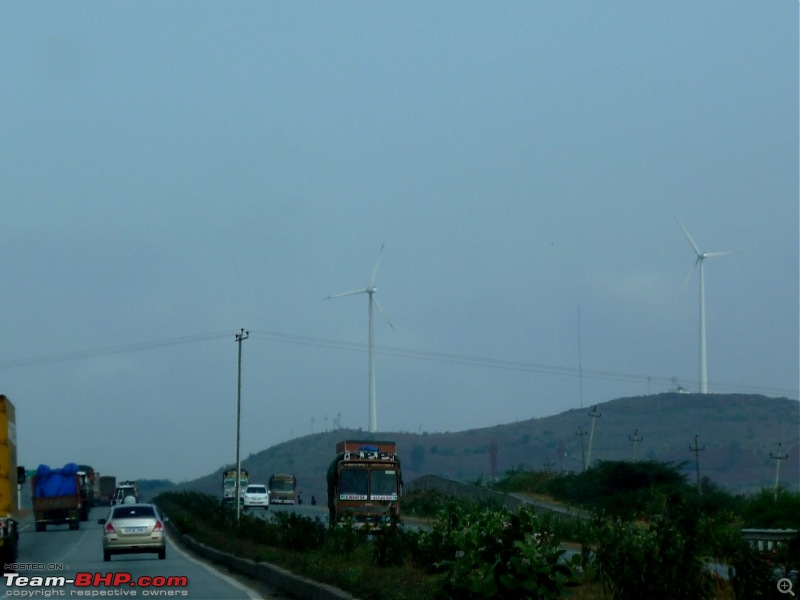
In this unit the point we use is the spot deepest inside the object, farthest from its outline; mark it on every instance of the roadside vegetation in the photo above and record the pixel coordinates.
(650, 535)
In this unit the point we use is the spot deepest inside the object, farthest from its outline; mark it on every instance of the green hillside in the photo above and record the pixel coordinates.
(738, 431)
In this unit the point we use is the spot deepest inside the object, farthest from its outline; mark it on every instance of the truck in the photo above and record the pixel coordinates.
(364, 484)
(10, 477)
(56, 495)
(108, 483)
(88, 485)
(229, 485)
(282, 488)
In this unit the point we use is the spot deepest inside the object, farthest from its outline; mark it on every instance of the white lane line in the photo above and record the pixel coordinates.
(252, 594)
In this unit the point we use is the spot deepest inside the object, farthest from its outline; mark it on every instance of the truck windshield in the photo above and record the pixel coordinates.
(384, 484)
(353, 484)
(282, 485)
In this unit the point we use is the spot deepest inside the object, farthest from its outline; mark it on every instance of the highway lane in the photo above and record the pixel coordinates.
(59, 552)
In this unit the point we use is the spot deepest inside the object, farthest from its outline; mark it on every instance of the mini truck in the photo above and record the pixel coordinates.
(10, 474)
(364, 484)
(282, 488)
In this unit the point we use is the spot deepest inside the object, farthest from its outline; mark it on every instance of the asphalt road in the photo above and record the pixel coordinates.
(59, 552)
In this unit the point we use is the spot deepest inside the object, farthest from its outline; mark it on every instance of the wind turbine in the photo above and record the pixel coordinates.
(701, 257)
(370, 291)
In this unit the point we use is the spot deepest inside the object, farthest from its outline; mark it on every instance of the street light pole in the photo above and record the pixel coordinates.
(241, 336)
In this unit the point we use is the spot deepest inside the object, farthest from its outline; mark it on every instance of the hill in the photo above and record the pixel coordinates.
(738, 433)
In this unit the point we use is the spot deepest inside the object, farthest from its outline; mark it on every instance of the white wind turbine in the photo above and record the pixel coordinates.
(370, 291)
(701, 257)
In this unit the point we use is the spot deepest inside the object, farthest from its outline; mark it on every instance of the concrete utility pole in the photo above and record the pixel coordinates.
(240, 337)
(696, 451)
(635, 438)
(582, 433)
(594, 415)
(778, 458)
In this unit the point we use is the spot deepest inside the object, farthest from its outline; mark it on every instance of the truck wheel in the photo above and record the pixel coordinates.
(41, 527)
(73, 525)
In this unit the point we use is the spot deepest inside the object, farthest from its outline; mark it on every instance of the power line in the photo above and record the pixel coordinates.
(460, 359)
(82, 354)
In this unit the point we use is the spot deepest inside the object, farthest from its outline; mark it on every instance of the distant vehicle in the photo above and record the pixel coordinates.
(364, 484)
(132, 529)
(108, 485)
(57, 497)
(126, 489)
(88, 485)
(256, 496)
(229, 485)
(10, 476)
(282, 488)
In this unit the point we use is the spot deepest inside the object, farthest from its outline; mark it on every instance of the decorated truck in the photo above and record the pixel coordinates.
(10, 475)
(229, 485)
(282, 488)
(57, 496)
(364, 483)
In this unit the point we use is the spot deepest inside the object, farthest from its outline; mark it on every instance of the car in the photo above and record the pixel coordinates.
(132, 529)
(256, 496)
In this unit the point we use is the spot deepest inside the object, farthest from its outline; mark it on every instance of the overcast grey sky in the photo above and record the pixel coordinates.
(171, 172)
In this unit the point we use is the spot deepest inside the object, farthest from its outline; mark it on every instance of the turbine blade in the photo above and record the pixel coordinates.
(375, 300)
(715, 254)
(691, 241)
(353, 293)
(375, 269)
(691, 272)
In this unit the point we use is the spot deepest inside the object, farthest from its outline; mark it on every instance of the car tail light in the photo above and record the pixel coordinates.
(110, 528)
(158, 526)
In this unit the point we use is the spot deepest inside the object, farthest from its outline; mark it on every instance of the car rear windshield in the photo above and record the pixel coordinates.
(257, 489)
(134, 512)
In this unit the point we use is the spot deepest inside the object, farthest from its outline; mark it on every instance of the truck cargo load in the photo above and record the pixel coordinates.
(9, 475)
(56, 496)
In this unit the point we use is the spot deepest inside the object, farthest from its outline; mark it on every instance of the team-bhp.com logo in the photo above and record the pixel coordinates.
(95, 584)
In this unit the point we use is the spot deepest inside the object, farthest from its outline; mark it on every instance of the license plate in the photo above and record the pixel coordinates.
(129, 530)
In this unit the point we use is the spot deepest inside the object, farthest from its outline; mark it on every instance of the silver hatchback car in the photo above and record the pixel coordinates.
(133, 528)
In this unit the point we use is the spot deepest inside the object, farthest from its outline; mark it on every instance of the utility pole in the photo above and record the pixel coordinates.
(635, 438)
(582, 433)
(778, 458)
(240, 337)
(594, 415)
(548, 465)
(697, 451)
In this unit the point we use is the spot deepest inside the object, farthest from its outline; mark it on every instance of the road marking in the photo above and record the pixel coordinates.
(252, 594)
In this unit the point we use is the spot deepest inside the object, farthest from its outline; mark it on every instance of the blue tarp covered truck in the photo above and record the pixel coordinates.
(56, 496)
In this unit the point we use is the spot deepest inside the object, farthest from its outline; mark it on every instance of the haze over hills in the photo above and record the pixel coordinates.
(738, 433)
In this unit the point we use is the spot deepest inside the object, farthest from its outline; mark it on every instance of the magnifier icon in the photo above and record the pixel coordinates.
(785, 586)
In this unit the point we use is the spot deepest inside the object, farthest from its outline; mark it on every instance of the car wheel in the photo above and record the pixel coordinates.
(162, 554)
(106, 556)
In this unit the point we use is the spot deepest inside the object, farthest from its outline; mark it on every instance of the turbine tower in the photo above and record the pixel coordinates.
(701, 257)
(370, 291)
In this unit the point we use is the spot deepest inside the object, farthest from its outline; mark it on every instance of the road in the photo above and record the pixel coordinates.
(59, 552)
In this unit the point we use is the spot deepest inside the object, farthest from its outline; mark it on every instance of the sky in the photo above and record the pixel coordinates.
(174, 172)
